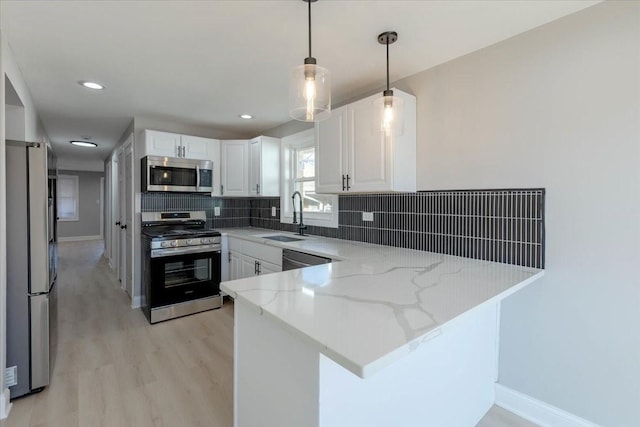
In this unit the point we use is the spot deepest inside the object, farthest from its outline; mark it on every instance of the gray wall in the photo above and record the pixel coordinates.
(556, 107)
(89, 189)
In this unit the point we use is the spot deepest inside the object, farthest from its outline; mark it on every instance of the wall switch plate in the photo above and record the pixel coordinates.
(273, 211)
(216, 211)
(367, 216)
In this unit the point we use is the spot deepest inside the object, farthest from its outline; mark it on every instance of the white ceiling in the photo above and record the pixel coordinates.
(202, 63)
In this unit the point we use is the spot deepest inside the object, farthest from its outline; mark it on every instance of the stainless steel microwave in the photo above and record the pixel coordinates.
(173, 174)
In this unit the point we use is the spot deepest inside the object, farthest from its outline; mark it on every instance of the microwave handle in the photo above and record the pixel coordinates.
(197, 177)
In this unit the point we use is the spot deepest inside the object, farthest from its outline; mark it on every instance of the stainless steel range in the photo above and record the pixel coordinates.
(181, 265)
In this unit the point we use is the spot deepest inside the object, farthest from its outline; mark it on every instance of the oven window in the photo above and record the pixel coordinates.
(189, 272)
(185, 277)
(165, 175)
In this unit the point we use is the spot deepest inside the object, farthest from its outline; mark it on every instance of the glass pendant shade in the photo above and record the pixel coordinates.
(389, 115)
(310, 93)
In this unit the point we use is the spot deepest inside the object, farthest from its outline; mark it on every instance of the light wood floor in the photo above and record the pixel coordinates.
(114, 369)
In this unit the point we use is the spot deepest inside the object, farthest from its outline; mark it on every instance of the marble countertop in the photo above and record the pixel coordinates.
(378, 304)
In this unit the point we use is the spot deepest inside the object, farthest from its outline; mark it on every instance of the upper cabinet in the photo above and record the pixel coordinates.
(196, 147)
(264, 166)
(175, 145)
(354, 157)
(235, 163)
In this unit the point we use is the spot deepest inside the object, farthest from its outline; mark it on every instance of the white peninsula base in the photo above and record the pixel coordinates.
(283, 380)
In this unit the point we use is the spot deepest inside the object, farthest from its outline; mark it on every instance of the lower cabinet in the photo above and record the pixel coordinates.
(248, 259)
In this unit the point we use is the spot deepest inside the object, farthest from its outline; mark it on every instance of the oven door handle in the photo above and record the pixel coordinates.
(161, 253)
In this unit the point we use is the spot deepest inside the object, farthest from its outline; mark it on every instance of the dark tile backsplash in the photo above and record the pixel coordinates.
(497, 225)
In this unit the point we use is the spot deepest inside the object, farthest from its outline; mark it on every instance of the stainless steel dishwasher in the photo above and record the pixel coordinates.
(294, 259)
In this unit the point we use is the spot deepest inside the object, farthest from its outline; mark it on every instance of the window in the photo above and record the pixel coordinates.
(68, 198)
(299, 169)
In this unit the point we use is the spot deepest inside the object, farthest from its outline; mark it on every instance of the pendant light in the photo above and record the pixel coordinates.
(389, 108)
(310, 88)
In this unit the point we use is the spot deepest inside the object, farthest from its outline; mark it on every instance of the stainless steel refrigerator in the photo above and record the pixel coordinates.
(31, 266)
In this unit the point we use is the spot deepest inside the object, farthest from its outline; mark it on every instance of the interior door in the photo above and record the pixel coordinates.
(107, 213)
(128, 231)
(115, 215)
(122, 206)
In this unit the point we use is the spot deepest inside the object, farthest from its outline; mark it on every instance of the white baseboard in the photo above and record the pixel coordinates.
(78, 238)
(136, 302)
(536, 411)
(5, 404)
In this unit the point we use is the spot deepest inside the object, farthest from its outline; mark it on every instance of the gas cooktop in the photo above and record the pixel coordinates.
(155, 233)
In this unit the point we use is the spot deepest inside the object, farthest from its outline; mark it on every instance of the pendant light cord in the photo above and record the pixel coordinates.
(387, 63)
(309, 29)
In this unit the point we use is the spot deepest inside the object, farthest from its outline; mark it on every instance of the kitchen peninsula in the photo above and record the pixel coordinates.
(387, 336)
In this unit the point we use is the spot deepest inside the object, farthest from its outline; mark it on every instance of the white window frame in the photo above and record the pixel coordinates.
(290, 144)
(76, 196)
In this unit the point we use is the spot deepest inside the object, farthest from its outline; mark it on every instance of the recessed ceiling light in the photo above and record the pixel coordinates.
(84, 144)
(246, 116)
(92, 85)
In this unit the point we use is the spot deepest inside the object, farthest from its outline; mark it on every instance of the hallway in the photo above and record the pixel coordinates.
(114, 369)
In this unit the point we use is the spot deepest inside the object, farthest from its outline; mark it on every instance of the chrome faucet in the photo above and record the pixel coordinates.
(301, 227)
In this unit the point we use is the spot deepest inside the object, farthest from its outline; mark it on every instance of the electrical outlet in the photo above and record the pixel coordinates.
(367, 216)
(216, 210)
(273, 211)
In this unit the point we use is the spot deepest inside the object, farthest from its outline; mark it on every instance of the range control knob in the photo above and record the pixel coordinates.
(189, 242)
(165, 244)
(174, 243)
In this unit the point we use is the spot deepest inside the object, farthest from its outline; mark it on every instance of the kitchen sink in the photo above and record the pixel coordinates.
(282, 238)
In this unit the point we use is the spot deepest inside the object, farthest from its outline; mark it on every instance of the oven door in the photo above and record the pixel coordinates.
(184, 277)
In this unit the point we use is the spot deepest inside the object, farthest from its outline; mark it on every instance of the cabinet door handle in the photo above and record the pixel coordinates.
(118, 223)
(229, 254)
(342, 182)
(183, 151)
(255, 268)
(259, 268)
(178, 151)
(257, 188)
(221, 190)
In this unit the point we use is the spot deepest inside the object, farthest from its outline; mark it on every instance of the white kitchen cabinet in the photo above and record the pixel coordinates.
(168, 144)
(234, 169)
(264, 166)
(248, 259)
(330, 153)
(196, 147)
(240, 266)
(162, 143)
(352, 156)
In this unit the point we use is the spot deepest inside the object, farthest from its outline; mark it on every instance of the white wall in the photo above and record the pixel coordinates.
(89, 206)
(70, 163)
(556, 107)
(4, 391)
